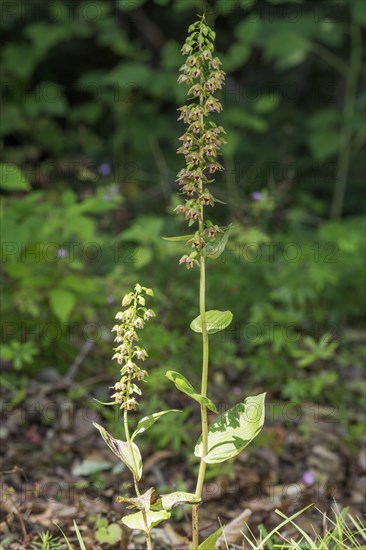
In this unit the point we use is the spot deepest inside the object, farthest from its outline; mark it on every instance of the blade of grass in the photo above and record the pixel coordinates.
(304, 534)
(65, 537)
(275, 531)
(263, 533)
(361, 530)
(80, 539)
(223, 534)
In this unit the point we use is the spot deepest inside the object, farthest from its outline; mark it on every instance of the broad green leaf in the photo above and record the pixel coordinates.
(179, 238)
(167, 502)
(215, 249)
(182, 384)
(145, 423)
(62, 302)
(109, 535)
(129, 454)
(210, 542)
(136, 521)
(13, 178)
(215, 321)
(232, 431)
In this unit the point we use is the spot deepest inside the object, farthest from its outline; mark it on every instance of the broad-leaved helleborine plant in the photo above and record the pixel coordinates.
(234, 429)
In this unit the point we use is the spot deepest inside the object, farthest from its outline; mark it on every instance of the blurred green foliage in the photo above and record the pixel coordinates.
(88, 150)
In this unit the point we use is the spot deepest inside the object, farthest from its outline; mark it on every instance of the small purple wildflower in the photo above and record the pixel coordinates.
(110, 299)
(62, 253)
(257, 196)
(104, 169)
(308, 478)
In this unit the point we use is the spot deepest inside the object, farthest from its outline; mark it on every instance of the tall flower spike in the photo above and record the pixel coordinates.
(203, 138)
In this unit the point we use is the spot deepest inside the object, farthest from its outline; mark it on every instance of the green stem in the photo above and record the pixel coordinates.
(348, 112)
(205, 349)
(329, 57)
(205, 354)
(204, 423)
(138, 494)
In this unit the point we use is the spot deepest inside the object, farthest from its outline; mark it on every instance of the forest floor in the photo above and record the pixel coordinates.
(56, 469)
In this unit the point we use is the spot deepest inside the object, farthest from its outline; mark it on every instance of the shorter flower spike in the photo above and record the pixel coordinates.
(132, 319)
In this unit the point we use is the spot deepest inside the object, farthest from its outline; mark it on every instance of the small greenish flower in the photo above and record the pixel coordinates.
(126, 300)
(148, 314)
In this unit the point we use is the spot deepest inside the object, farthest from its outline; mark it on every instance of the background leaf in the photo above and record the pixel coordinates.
(62, 302)
(88, 467)
(109, 535)
(13, 178)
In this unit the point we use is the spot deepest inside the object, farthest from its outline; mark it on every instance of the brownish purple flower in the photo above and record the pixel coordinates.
(206, 199)
(196, 242)
(193, 214)
(188, 261)
(180, 209)
(213, 105)
(213, 230)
